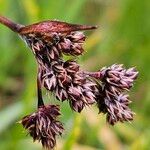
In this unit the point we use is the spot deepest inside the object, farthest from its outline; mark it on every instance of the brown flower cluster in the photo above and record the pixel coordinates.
(113, 100)
(69, 82)
(43, 125)
(64, 78)
(49, 42)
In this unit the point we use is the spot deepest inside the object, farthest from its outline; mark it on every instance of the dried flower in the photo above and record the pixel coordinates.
(118, 76)
(72, 44)
(66, 80)
(115, 80)
(118, 109)
(58, 76)
(43, 125)
(115, 105)
(49, 41)
(81, 95)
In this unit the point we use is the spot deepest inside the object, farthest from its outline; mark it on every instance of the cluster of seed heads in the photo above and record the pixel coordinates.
(43, 125)
(113, 98)
(108, 87)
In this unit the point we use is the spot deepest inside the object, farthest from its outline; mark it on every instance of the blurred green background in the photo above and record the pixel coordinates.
(123, 36)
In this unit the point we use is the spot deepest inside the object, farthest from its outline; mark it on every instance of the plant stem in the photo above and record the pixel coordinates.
(10, 24)
(39, 91)
(96, 75)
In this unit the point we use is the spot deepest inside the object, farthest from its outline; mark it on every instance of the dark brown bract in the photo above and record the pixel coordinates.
(50, 26)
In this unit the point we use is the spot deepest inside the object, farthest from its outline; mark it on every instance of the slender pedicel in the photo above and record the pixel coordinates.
(39, 90)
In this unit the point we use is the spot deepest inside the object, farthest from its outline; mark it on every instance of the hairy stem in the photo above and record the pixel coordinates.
(39, 90)
(10, 24)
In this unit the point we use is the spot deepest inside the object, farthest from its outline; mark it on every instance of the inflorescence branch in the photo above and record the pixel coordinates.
(108, 87)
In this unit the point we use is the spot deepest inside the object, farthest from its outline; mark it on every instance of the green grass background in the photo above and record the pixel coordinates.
(123, 37)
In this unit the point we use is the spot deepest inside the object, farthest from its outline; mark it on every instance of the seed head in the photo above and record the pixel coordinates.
(43, 125)
(49, 42)
(119, 77)
(112, 98)
(115, 106)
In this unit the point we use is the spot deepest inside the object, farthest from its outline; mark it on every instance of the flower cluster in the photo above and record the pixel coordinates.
(49, 42)
(112, 98)
(64, 78)
(43, 125)
(69, 82)
(118, 76)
